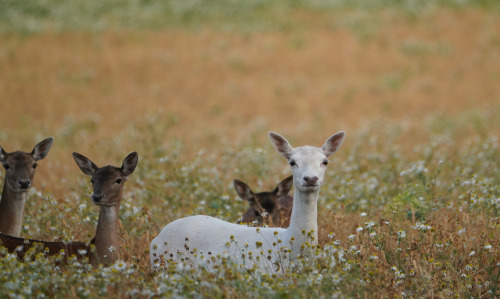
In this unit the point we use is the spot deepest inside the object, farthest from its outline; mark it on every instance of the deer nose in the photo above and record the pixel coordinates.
(97, 197)
(310, 180)
(24, 183)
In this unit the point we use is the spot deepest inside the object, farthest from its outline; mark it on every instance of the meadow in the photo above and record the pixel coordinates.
(410, 206)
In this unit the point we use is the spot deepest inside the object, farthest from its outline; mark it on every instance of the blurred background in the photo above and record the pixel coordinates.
(105, 78)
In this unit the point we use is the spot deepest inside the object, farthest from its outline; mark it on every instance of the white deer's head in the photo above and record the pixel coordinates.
(308, 163)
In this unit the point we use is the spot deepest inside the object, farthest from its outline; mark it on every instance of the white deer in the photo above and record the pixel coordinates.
(203, 240)
(19, 172)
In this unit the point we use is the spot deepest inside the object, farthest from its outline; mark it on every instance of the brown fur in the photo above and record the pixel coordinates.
(277, 203)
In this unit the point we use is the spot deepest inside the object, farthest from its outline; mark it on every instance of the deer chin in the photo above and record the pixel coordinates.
(20, 189)
(106, 204)
(309, 187)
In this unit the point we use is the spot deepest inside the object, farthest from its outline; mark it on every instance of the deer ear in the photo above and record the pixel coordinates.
(243, 190)
(333, 143)
(88, 167)
(3, 155)
(42, 149)
(129, 163)
(284, 186)
(281, 144)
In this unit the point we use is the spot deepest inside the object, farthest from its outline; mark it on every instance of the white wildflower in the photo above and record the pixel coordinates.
(422, 227)
(120, 265)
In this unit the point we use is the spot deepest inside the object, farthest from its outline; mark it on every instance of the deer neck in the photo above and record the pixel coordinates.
(106, 238)
(11, 211)
(304, 218)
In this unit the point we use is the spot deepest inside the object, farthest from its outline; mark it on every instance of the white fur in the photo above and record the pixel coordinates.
(199, 239)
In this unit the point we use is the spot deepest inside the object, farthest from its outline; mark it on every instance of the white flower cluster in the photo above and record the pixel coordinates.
(422, 227)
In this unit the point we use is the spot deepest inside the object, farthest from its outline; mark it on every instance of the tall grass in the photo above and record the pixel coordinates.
(410, 224)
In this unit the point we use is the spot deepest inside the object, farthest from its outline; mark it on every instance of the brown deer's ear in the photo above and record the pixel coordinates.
(281, 144)
(333, 143)
(3, 155)
(129, 163)
(88, 167)
(243, 190)
(42, 149)
(284, 186)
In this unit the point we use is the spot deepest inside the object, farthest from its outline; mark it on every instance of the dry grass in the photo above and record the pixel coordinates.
(209, 83)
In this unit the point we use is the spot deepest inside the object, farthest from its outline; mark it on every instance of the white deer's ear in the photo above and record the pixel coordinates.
(42, 149)
(88, 167)
(281, 144)
(333, 143)
(129, 163)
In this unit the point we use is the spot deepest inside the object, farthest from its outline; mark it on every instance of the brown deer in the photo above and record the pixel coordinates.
(277, 204)
(107, 183)
(21, 246)
(19, 172)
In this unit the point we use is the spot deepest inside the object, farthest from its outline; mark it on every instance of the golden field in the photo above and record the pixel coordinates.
(205, 99)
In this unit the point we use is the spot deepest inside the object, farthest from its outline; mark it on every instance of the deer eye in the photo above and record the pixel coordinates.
(91, 181)
(6, 166)
(35, 165)
(325, 162)
(118, 181)
(292, 163)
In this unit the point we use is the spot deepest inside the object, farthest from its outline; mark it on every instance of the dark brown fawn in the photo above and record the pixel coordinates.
(19, 172)
(107, 183)
(274, 206)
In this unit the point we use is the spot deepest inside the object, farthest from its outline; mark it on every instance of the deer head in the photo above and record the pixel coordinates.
(308, 163)
(20, 166)
(107, 181)
(272, 202)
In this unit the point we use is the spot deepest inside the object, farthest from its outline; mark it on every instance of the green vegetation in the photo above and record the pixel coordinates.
(31, 16)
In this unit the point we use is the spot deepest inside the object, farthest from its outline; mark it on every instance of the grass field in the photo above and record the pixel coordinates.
(411, 202)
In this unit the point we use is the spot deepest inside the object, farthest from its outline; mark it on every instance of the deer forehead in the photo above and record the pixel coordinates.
(20, 158)
(306, 155)
(265, 196)
(107, 173)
